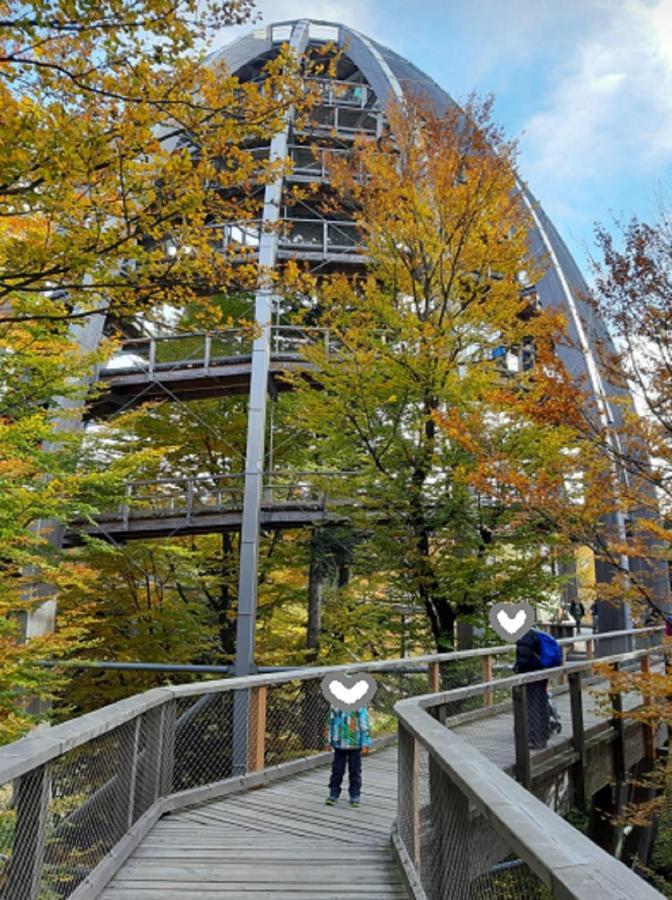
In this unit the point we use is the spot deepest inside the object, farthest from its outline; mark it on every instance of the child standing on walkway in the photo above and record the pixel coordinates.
(349, 737)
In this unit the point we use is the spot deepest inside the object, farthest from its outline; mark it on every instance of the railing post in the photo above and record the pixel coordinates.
(521, 736)
(207, 351)
(24, 876)
(256, 748)
(565, 653)
(166, 760)
(434, 677)
(486, 670)
(618, 725)
(152, 355)
(649, 729)
(590, 648)
(408, 794)
(578, 738)
(190, 499)
(127, 776)
(128, 489)
(325, 237)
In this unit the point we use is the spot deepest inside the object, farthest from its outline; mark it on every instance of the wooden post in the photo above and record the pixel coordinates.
(24, 876)
(618, 725)
(590, 648)
(132, 776)
(647, 700)
(167, 762)
(486, 662)
(415, 794)
(152, 355)
(408, 795)
(565, 653)
(256, 746)
(434, 678)
(521, 736)
(578, 739)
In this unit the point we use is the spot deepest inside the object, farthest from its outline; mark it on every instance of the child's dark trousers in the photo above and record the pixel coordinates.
(353, 760)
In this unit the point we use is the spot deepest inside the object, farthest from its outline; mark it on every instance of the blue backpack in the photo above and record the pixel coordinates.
(550, 652)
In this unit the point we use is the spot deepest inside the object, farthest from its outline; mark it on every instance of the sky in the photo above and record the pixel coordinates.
(584, 86)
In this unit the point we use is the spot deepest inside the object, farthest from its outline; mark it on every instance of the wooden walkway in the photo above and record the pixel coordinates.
(279, 842)
(282, 842)
(493, 735)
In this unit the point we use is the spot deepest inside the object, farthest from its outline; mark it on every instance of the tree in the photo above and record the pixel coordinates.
(122, 153)
(456, 461)
(634, 297)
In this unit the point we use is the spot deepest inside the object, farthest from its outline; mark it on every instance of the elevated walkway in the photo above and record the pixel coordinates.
(276, 843)
(206, 504)
(217, 789)
(195, 366)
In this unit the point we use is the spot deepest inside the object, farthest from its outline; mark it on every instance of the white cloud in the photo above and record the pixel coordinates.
(609, 111)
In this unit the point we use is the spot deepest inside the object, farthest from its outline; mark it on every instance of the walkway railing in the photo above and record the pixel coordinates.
(76, 799)
(328, 237)
(199, 493)
(466, 829)
(156, 355)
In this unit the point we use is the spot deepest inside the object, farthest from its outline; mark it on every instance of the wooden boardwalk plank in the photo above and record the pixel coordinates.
(280, 841)
(274, 843)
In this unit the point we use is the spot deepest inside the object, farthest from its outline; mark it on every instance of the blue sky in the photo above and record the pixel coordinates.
(584, 85)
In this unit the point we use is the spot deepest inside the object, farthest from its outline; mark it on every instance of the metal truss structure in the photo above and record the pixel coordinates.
(352, 104)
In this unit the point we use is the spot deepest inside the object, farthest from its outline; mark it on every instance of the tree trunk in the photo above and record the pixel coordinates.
(315, 580)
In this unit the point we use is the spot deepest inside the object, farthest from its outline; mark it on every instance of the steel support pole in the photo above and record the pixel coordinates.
(256, 427)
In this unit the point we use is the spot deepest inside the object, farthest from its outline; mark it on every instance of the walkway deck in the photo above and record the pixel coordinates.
(279, 842)
(282, 842)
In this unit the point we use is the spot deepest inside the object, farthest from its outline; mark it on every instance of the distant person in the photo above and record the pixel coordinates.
(577, 612)
(594, 611)
(349, 737)
(668, 625)
(535, 651)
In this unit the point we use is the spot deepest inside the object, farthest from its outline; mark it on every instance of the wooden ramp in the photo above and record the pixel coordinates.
(279, 841)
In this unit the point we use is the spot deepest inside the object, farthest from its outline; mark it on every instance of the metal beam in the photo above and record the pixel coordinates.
(256, 420)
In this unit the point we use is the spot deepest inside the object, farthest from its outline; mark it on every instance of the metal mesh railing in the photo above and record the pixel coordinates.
(455, 851)
(70, 794)
(464, 830)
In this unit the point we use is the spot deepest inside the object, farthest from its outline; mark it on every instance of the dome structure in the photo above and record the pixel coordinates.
(369, 76)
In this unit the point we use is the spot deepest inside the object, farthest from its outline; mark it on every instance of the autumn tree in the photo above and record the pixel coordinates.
(122, 154)
(633, 294)
(440, 392)
(634, 297)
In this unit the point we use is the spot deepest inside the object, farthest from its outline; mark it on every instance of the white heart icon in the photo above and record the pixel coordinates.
(348, 692)
(511, 624)
(348, 695)
(511, 620)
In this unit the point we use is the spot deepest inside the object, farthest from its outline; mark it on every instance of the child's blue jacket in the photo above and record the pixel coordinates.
(349, 730)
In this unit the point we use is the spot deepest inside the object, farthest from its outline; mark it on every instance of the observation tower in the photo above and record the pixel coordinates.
(352, 104)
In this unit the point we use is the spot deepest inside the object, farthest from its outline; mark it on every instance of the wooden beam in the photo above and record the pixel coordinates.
(486, 664)
(618, 724)
(647, 701)
(521, 736)
(256, 747)
(579, 740)
(434, 677)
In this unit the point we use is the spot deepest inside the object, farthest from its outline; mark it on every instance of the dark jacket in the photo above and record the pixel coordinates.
(527, 653)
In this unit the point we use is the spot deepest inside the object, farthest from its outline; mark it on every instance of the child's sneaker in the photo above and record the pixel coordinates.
(354, 801)
(330, 801)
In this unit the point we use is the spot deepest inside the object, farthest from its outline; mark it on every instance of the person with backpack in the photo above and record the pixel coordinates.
(535, 651)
